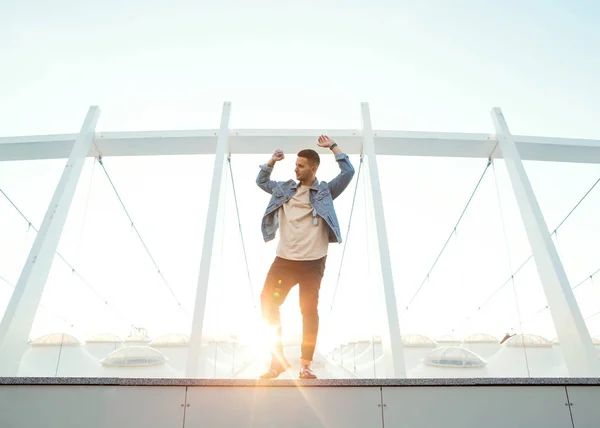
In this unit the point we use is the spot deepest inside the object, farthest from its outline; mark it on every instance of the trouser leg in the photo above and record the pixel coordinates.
(280, 280)
(310, 284)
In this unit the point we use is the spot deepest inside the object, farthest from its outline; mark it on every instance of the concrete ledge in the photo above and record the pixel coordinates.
(294, 383)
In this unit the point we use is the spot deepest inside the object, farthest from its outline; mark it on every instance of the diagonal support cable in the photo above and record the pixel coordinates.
(241, 233)
(133, 226)
(60, 256)
(6, 281)
(555, 231)
(591, 316)
(508, 280)
(337, 283)
(489, 162)
(51, 312)
(576, 205)
(587, 278)
(512, 277)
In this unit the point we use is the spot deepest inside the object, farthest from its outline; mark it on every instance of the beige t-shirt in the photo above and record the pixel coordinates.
(299, 237)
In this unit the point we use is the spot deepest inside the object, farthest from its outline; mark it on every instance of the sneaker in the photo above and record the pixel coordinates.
(307, 373)
(277, 367)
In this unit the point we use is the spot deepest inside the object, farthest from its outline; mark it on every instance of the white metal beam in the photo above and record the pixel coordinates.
(575, 341)
(20, 313)
(261, 141)
(209, 239)
(394, 347)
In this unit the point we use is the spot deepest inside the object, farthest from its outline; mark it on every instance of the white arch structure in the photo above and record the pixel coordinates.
(17, 321)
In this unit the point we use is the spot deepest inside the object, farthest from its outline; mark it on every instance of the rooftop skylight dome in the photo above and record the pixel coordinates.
(450, 362)
(57, 354)
(138, 336)
(528, 355)
(452, 356)
(55, 339)
(134, 356)
(104, 338)
(480, 338)
(595, 341)
(482, 344)
(416, 346)
(100, 345)
(137, 361)
(171, 340)
(417, 341)
(528, 341)
(447, 340)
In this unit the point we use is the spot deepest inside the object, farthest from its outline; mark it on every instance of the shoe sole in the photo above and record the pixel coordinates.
(307, 377)
(277, 375)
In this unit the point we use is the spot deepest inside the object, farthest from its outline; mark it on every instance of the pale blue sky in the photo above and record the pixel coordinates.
(435, 66)
(422, 65)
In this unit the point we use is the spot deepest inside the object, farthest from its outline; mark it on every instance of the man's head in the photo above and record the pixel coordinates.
(307, 164)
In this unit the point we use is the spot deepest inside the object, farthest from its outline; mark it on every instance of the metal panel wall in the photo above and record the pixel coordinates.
(91, 406)
(289, 407)
(585, 406)
(476, 407)
(67, 406)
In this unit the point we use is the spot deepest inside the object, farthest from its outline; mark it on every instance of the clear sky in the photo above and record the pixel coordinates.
(434, 66)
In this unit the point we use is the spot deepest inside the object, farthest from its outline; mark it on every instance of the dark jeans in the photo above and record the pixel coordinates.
(283, 275)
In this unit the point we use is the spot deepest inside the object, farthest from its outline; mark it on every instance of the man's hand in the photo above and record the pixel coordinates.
(277, 156)
(324, 141)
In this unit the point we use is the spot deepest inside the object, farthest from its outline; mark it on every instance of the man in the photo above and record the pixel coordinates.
(304, 214)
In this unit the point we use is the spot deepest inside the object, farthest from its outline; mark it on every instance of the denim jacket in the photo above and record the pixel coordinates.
(321, 196)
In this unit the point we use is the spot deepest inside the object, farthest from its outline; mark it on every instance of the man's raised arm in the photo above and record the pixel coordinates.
(263, 180)
(341, 181)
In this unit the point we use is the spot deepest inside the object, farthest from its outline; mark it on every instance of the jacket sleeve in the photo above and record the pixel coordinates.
(339, 183)
(263, 180)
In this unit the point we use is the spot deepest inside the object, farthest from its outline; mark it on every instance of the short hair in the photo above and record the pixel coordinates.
(312, 156)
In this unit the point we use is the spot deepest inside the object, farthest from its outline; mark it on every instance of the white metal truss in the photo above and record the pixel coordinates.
(22, 307)
(261, 141)
(18, 318)
(207, 247)
(392, 342)
(576, 344)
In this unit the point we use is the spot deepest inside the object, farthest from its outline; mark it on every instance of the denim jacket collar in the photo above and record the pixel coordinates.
(315, 185)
